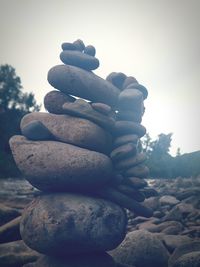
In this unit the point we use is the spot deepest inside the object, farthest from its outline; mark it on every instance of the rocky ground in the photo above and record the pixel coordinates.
(170, 238)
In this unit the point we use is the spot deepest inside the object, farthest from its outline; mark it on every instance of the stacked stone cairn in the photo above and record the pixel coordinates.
(83, 157)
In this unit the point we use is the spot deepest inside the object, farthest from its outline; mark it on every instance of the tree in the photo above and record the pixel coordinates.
(14, 104)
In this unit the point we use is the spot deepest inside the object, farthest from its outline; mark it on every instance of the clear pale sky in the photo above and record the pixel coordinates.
(157, 41)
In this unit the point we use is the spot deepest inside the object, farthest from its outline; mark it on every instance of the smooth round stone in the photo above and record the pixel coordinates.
(102, 108)
(71, 130)
(79, 59)
(137, 182)
(139, 87)
(79, 44)
(124, 139)
(68, 46)
(54, 100)
(140, 171)
(64, 224)
(116, 78)
(81, 260)
(191, 259)
(35, 130)
(142, 249)
(84, 84)
(128, 115)
(130, 161)
(128, 127)
(131, 99)
(128, 81)
(56, 166)
(123, 151)
(90, 50)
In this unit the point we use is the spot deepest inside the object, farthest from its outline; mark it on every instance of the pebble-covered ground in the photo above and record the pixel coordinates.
(170, 238)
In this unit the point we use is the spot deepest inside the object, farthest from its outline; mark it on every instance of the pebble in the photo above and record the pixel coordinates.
(131, 99)
(124, 139)
(128, 81)
(102, 108)
(140, 171)
(116, 78)
(129, 116)
(79, 44)
(68, 46)
(129, 127)
(130, 161)
(79, 59)
(90, 50)
(140, 87)
(123, 151)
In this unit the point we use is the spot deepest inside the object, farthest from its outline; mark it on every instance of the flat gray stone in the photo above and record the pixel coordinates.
(130, 161)
(140, 171)
(142, 249)
(78, 82)
(124, 139)
(129, 127)
(74, 223)
(116, 78)
(71, 130)
(56, 166)
(79, 59)
(131, 99)
(90, 50)
(123, 151)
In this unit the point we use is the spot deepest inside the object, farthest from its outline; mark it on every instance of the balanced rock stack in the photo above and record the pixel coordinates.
(83, 156)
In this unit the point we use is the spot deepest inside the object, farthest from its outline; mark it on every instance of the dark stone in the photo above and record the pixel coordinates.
(128, 81)
(116, 78)
(84, 84)
(56, 166)
(137, 182)
(139, 87)
(123, 151)
(124, 139)
(191, 259)
(171, 242)
(54, 100)
(128, 127)
(130, 161)
(7, 214)
(129, 116)
(131, 99)
(10, 231)
(131, 192)
(74, 223)
(79, 59)
(140, 171)
(90, 50)
(68, 46)
(142, 249)
(36, 130)
(79, 44)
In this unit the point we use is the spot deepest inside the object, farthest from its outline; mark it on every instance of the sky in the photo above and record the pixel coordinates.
(156, 41)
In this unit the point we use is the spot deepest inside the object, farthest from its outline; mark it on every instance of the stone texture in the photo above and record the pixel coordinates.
(79, 44)
(7, 213)
(79, 59)
(168, 200)
(84, 84)
(130, 161)
(15, 254)
(124, 139)
(129, 116)
(141, 249)
(72, 130)
(116, 78)
(90, 50)
(140, 171)
(74, 223)
(10, 231)
(191, 259)
(137, 182)
(54, 100)
(173, 241)
(139, 87)
(102, 108)
(123, 151)
(56, 166)
(131, 99)
(68, 46)
(129, 80)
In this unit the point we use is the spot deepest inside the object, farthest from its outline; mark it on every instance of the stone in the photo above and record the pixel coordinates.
(171, 242)
(139, 87)
(173, 230)
(56, 166)
(102, 108)
(124, 201)
(123, 151)
(36, 130)
(179, 212)
(78, 82)
(54, 100)
(152, 202)
(90, 50)
(137, 182)
(82, 260)
(129, 127)
(16, 254)
(74, 223)
(128, 115)
(124, 139)
(68, 46)
(140, 171)
(131, 99)
(183, 249)
(7, 213)
(81, 108)
(130, 161)
(79, 59)
(10, 231)
(127, 81)
(71, 130)
(129, 191)
(191, 259)
(168, 200)
(79, 44)
(162, 226)
(116, 78)
(141, 249)
(149, 192)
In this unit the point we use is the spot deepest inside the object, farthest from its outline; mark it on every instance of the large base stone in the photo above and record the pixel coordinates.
(60, 224)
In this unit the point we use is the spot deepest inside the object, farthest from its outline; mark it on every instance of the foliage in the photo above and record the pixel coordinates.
(162, 164)
(14, 104)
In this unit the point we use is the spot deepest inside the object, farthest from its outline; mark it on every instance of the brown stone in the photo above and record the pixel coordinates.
(123, 151)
